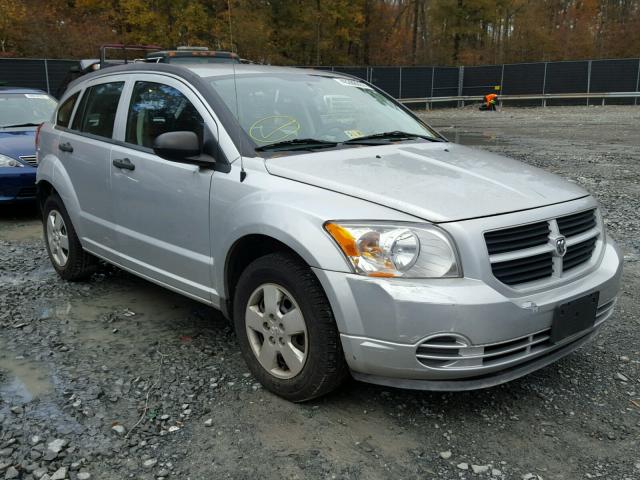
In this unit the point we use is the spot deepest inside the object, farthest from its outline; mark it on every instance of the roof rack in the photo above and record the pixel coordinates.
(124, 48)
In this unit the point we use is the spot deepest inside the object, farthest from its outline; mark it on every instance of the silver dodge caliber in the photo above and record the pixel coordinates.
(339, 233)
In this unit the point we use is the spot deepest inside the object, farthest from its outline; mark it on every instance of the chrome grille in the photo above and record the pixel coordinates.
(577, 223)
(523, 270)
(517, 237)
(30, 159)
(528, 253)
(578, 254)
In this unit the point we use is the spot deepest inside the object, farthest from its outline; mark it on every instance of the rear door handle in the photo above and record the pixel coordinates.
(123, 163)
(65, 147)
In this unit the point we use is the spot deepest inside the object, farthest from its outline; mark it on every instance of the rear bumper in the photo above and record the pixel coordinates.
(17, 184)
(385, 323)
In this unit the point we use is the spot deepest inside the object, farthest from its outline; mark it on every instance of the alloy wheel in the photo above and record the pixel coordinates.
(277, 331)
(57, 238)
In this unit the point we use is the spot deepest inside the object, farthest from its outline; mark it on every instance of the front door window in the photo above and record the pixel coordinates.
(156, 109)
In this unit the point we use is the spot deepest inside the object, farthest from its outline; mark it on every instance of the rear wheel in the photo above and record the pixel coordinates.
(64, 248)
(286, 329)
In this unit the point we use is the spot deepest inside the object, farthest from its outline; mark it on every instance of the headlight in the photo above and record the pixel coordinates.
(396, 250)
(9, 162)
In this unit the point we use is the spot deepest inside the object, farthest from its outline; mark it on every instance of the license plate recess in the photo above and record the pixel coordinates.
(574, 316)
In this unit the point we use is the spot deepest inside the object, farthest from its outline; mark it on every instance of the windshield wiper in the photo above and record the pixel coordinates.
(395, 135)
(21, 125)
(297, 144)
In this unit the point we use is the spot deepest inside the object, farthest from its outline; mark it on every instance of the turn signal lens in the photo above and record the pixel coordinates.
(341, 235)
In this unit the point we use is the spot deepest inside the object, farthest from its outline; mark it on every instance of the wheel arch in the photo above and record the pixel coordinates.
(52, 177)
(245, 250)
(45, 190)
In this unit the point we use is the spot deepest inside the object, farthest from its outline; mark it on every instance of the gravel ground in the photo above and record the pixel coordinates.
(117, 378)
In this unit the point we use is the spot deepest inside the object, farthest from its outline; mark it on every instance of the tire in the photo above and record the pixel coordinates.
(63, 246)
(301, 305)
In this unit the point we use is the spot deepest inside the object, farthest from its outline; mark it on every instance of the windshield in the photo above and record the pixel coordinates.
(273, 108)
(25, 108)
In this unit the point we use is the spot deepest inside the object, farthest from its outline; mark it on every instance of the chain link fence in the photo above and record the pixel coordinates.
(519, 79)
(425, 82)
(43, 74)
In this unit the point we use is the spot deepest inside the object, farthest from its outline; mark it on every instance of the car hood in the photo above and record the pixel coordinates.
(17, 143)
(439, 182)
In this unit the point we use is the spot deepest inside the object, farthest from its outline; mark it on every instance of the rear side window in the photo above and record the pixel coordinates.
(156, 109)
(97, 111)
(65, 110)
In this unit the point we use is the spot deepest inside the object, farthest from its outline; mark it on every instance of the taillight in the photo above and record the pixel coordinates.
(38, 135)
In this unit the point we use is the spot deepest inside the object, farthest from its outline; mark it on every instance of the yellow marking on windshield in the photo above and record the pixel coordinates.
(274, 133)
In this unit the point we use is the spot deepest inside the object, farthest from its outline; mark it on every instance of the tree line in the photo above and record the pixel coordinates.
(331, 32)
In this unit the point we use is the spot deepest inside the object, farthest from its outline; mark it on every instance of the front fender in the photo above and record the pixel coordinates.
(288, 211)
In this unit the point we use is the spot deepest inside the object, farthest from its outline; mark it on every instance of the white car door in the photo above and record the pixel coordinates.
(85, 149)
(161, 207)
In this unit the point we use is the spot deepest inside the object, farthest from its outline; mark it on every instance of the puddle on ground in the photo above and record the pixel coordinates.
(29, 384)
(113, 316)
(24, 380)
(20, 231)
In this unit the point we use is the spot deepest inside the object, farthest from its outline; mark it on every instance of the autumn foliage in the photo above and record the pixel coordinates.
(331, 32)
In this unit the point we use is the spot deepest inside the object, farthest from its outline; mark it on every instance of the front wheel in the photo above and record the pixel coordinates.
(286, 329)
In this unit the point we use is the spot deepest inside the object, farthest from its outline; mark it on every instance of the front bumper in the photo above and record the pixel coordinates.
(384, 323)
(17, 184)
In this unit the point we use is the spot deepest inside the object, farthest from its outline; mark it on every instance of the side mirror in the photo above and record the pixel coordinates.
(177, 146)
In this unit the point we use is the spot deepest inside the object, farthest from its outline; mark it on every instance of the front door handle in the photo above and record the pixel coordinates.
(123, 163)
(65, 147)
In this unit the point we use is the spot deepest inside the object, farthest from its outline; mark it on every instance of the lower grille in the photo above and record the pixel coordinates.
(440, 351)
(450, 351)
(509, 350)
(27, 192)
(604, 310)
(30, 159)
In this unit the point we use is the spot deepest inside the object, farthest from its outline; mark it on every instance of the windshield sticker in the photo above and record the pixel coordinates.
(347, 82)
(275, 128)
(353, 134)
(35, 95)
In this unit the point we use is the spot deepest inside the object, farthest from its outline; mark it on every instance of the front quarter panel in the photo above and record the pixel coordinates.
(289, 211)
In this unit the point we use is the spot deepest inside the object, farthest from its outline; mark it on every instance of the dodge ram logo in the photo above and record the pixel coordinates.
(561, 246)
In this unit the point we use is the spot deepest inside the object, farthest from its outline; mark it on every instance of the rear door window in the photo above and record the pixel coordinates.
(65, 110)
(97, 111)
(155, 109)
